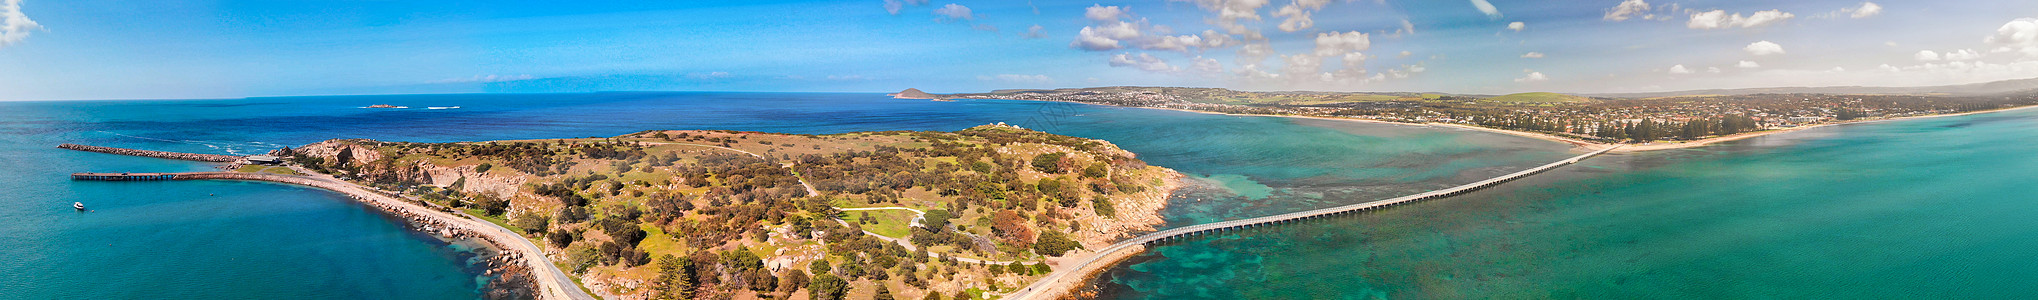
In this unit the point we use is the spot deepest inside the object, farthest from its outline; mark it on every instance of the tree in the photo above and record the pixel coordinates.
(1011, 226)
(1097, 170)
(827, 287)
(931, 295)
(1054, 243)
(1048, 162)
(883, 293)
(937, 219)
(483, 168)
(675, 278)
(531, 222)
(559, 238)
(762, 281)
(819, 266)
(792, 281)
(490, 205)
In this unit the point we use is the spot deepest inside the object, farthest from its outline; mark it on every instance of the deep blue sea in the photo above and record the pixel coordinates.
(234, 240)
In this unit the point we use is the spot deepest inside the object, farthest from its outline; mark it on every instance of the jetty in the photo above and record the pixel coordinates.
(155, 154)
(521, 260)
(1063, 281)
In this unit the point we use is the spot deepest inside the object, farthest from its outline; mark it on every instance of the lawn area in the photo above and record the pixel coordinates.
(890, 222)
(492, 219)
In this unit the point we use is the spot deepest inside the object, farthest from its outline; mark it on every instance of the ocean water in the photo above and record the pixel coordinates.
(1927, 208)
(235, 240)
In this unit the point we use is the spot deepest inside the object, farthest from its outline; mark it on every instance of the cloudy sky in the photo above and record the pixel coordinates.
(106, 49)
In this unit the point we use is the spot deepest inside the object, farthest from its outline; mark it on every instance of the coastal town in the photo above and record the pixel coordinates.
(1581, 120)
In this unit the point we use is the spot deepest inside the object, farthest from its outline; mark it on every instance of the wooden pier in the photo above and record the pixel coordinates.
(124, 176)
(1059, 283)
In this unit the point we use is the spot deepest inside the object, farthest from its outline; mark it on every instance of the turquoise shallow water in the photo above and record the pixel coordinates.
(1930, 208)
(261, 241)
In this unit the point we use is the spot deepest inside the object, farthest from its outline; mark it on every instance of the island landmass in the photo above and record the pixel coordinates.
(742, 215)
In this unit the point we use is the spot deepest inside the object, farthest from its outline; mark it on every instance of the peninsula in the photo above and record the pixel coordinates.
(1664, 121)
(725, 214)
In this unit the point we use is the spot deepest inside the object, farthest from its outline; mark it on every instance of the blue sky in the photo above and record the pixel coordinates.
(93, 49)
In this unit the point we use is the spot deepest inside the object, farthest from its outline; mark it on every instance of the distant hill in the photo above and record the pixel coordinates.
(1539, 97)
(1986, 88)
(913, 93)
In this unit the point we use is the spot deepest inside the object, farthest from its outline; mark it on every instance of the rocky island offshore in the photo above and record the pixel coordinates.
(726, 214)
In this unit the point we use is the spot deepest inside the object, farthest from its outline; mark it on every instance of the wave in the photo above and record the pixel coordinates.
(229, 147)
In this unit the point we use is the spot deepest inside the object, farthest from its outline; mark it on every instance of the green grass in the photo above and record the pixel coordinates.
(890, 222)
(657, 242)
(499, 221)
(1540, 97)
(267, 169)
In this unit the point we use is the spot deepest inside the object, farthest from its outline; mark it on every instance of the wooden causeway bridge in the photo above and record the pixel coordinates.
(1062, 282)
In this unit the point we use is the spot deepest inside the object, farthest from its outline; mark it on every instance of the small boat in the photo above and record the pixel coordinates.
(79, 205)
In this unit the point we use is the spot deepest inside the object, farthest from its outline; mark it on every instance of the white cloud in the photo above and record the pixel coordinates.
(1254, 53)
(1333, 43)
(1763, 48)
(1837, 70)
(1298, 19)
(1208, 65)
(1748, 65)
(1406, 28)
(1034, 33)
(1354, 60)
(1018, 78)
(1926, 55)
(1101, 13)
(1230, 12)
(893, 6)
(1714, 70)
(14, 25)
(1679, 69)
(708, 75)
(1533, 76)
(1867, 9)
(1173, 43)
(955, 11)
(1962, 54)
(485, 78)
(1626, 9)
(1486, 8)
(1214, 39)
(1532, 55)
(1720, 19)
(2020, 35)
(1516, 26)
(1105, 37)
(1142, 61)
